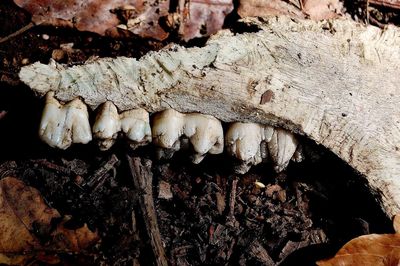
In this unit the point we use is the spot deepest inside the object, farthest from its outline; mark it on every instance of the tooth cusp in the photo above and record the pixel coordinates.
(62, 125)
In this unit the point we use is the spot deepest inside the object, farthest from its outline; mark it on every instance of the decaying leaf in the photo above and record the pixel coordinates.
(374, 249)
(22, 212)
(202, 17)
(99, 16)
(148, 19)
(322, 9)
(262, 8)
(314, 9)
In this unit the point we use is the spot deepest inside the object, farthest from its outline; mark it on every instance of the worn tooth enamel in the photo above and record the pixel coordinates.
(204, 132)
(167, 128)
(246, 142)
(136, 126)
(281, 148)
(107, 125)
(298, 155)
(62, 125)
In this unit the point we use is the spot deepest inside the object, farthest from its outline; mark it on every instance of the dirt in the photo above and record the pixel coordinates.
(206, 214)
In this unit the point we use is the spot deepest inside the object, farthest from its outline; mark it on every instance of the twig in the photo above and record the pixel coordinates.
(232, 200)
(136, 237)
(99, 177)
(259, 253)
(142, 180)
(18, 32)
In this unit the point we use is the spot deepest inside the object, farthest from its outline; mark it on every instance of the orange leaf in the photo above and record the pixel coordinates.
(374, 249)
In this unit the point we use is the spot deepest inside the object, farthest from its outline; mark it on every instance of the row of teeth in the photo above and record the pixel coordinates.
(250, 143)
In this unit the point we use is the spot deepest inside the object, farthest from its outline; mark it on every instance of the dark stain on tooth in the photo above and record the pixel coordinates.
(266, 97)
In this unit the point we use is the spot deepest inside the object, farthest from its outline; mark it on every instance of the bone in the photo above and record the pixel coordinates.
(172, 129)
(134, 124)
(281, 148)
(62, 125)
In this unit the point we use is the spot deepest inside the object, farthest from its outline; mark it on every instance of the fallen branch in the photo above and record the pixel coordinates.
(142, 179)
(336, 82)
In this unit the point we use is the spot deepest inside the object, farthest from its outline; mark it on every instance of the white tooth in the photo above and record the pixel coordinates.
(62, 125)
(246, 141)
(107, 125)
(136, 126)
(167, 128)
(281, 148)
(205, 134)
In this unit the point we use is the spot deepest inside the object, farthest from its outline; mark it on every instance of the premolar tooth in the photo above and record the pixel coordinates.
(136, 126)
(107, 125)
(281, 148)
(62, 125)
(204, 132)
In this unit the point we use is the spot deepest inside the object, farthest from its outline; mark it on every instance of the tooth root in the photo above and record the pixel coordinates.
(62, 125)
(107, 125)
(136, 126)
(205, 134)
(281, 148)
(298, 155)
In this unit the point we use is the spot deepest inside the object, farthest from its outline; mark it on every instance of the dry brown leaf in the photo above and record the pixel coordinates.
(262, 8)
(194, 18)
(374, 249)
(98, 16)
(200, 18)
(322, 9)
(22, 210)
(315, 9)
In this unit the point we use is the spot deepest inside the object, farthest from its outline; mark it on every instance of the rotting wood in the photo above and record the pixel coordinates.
(335, 82)
(142, 180)
(99, 177)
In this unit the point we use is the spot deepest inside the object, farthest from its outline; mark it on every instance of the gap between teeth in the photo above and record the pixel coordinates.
(250, 143)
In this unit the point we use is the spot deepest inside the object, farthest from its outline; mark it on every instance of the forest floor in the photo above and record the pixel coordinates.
(205, 213)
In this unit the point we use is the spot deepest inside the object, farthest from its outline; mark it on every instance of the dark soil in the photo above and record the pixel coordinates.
(206, 214)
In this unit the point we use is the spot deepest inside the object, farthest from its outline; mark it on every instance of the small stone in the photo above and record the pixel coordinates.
(58, 54)
(25, 61)
(164, 191)
(45, 37)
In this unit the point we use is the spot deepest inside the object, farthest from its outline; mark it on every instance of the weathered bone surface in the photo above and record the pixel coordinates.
(171, 129)
(335, 82)
(135, 124)
(62, 125)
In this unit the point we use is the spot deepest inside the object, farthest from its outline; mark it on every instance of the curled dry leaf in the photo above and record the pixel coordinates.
(22, 211)
(374, 249)
(322, 9)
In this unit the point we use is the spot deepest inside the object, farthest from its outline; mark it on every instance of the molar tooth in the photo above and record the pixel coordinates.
(205, 134)
(62, 125)
(167, 128)
(246, 142)
(107, 125)
(281, 148)
(136, 126)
